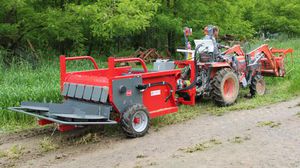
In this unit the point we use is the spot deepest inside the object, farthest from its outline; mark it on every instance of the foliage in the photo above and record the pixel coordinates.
(273, 16)
(111, 25)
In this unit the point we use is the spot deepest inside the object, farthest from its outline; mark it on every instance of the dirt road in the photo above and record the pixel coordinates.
(264, 137)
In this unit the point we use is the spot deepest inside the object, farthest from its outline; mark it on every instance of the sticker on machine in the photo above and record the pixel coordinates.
(129, 93)
(155, 92)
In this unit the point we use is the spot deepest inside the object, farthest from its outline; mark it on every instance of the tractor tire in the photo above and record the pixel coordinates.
(225, 87)
(258, 86)
(135, 121)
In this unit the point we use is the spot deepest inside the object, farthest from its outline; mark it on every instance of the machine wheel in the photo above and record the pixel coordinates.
(225, 87)
(258, 86)
(135, 121)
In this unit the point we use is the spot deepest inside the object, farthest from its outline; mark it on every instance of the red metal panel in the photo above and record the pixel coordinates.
(236, 49)
(63, 69)
(44, 122)
(154, 98)
(63, 128)
(161, 112)
(191, 92)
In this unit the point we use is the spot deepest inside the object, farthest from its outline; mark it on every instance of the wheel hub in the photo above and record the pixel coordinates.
(139, 121)
(229, 87)
(260, 87)
(136, 120)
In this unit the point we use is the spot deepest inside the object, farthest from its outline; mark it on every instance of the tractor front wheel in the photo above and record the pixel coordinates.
(258, 86)
(225, 87)
(135, 121)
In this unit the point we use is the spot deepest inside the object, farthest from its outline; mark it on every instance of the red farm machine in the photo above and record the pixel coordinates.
(132, 97)
(220, 76)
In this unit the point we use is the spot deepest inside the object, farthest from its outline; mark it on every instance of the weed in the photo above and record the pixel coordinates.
(238, 139)
(3, 154)
(88, 138)
(137, 166)
(153, 164)
(47, 145)
(271, 124)
(15, 152)
(140, 156)
(215, 141)
(202, 146)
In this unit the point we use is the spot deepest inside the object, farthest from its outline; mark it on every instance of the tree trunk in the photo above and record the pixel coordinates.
(62, 4)
(90, 47)
(171, 33)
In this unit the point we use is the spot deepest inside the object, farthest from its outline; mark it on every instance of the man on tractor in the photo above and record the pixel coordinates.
(211, 33)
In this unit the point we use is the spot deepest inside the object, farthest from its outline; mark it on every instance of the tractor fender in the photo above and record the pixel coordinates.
(217, 66)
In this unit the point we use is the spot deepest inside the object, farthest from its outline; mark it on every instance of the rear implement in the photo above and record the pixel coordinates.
(108, 96)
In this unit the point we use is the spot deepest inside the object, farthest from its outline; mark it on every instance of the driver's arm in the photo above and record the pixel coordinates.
(220, 46)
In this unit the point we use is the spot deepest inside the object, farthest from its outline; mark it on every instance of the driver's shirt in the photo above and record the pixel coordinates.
(216, 45)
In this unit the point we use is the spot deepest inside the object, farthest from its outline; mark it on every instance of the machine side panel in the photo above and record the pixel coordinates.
(125, 93)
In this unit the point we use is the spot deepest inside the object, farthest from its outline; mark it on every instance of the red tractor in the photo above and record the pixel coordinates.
(220, 76)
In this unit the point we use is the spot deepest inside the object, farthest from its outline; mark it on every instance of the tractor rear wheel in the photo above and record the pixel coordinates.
(225, 87)
(135, 121)
(258, 86)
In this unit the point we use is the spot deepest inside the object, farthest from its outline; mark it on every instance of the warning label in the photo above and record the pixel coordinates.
(155, 92)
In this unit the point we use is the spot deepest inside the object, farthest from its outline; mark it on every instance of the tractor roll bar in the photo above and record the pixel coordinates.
(112, 61)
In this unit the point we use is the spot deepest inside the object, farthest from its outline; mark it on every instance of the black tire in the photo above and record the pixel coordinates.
(258, 86)
(225, 87)
(128, 121)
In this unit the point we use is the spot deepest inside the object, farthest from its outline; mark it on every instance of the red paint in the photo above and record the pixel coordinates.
(272, 63)
(236, 49)
(136, 120)
(104, 77)
(44, 122)
(128, 92)
(229, 87)
(191, 92)
(63, 68)
(63, 128)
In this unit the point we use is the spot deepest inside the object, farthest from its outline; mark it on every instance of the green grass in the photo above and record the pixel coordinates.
(22, 83)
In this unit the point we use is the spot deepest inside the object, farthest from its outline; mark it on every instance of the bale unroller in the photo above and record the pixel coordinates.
(95, 96)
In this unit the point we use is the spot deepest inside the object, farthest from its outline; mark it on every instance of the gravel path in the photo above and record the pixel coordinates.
(264, 137)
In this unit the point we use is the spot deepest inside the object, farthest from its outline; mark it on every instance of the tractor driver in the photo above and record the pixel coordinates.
(211, 33)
